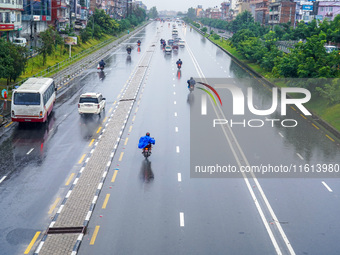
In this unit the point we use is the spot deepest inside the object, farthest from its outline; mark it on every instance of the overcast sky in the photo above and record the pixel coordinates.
(180, 5)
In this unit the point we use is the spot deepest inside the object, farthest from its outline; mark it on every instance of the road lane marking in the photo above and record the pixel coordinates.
(281, 134)
(179, 175)
(137, 109)
(91, 142)
(330, 138)
(175, 102)
(130, 128)
(175, 114)
(177, 149)
(100, 128)
(53, 206)
(110, 110)
(118, 96)
(95, 233)
(315, 126)
(105, 201)
(327, 187)
(29, 151)
(69, 179)
(300, 156)
(293, 108)
(181, 219)
(81, 159)
(9, 124)
(104, 120)
(303, 116)
(114, 176)
(32, 242)
(121, 156)
(133, 119)
(2, 179)
(126, 140)
(174, 93)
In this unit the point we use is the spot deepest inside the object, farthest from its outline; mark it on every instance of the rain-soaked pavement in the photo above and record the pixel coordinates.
(154, 207)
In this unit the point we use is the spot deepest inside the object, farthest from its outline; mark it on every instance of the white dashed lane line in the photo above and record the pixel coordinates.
(299, 156)
(176, 129)
(175, 114)
(281, 134)
(179, 176)
(177, 149)
(181, 219)
(327, 187)
(2, 179)
(30, 151)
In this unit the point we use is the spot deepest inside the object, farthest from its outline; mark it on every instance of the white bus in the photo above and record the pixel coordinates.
(33, 101)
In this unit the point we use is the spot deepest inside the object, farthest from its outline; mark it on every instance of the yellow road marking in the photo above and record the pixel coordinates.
(126, 141)
(121, 90)
(137, 109)
(330, 138)
(114, 176)
(293, 108)
(114, 102)
(54, 205)
(32, 242)
(93, 238)
(110, 110)
(100, 128)
(69, 179)
(91, 142)
(9, 124)
(133, 119)
(105, 201)
(81, 159)
(104, 120)
(315, 126)
(130, 128)
(118, 96)
(303, 116)
(121, 156)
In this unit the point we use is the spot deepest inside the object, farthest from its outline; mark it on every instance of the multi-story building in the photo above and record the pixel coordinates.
(328, 10)
(35, 16)
(213, 13)
(225, 7)
(10, 18)
(282, 11)
(260, 12)
(241, 6)
(140, 5)
(60, 14)
(304, 11)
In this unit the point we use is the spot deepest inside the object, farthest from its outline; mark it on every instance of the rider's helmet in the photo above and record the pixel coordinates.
(179, 60)
(191, 78)
(147, 134)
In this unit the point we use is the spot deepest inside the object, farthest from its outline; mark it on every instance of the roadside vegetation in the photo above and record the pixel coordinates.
(15, 64)
(257, 46)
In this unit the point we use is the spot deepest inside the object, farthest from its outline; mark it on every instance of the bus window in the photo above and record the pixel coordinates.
(26, 98)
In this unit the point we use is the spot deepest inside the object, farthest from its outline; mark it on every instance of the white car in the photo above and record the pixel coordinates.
(181, 43)
(20, 41)
(91, 103)
(168, 49)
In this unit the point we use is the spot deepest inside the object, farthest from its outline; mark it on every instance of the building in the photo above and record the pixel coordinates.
(328, 10)
(140, 5)
(199, 11)
(304, 11)
(282, 12)
(241, 6)
(60, 14)
(260, 12)
(225, 7)
(35, 16)
(10, 18)
(213, 13)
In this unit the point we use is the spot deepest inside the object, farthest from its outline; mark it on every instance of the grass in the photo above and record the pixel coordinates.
(319, 105)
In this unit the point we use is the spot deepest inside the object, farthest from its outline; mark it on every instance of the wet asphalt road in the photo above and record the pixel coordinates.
(154, 206)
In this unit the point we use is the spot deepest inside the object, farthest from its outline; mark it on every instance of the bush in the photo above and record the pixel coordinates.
(216, 37)
(204, 29)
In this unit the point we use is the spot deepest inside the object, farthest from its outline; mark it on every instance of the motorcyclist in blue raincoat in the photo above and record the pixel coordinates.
(146, 141)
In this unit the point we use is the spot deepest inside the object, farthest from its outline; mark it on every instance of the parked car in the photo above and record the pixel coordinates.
(91, 103)
(79, 25)
(20, 41)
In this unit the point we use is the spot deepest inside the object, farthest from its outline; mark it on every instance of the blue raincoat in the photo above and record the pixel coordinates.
(144, 141)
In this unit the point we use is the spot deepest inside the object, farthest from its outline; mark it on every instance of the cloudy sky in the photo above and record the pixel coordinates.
(180, 5)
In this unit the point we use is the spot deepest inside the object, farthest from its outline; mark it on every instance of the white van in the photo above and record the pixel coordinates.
(91, 103)
(20, 41)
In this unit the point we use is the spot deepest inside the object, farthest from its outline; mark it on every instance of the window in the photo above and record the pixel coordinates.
(18, 18)
(27, 98)
(7, 17)
(330, 9)
(321, 9)
(7, 1)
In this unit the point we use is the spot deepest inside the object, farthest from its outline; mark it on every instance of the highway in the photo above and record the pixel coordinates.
(160, 205)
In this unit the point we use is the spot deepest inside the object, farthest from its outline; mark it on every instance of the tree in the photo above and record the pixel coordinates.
(47, 39)
(191, 13)
(153, 13)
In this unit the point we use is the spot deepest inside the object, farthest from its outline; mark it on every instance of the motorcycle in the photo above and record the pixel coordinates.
(129, 51)
(191, 87)
(147, 151)
(179, 66)
(138, 44)
(100, 67)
